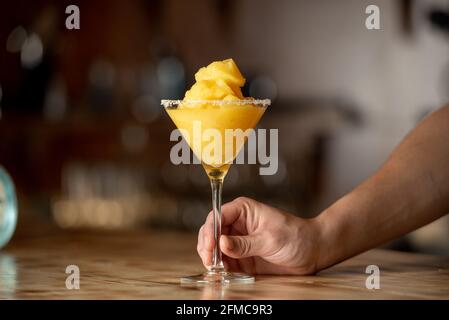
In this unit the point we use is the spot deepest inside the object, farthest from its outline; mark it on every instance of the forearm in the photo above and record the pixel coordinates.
(410, 190)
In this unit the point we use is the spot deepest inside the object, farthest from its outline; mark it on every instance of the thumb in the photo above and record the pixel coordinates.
(241, 246)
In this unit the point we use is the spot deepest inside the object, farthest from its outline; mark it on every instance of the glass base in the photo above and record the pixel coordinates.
(218, 277)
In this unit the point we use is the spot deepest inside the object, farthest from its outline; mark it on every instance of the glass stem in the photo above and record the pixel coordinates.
(217, 185)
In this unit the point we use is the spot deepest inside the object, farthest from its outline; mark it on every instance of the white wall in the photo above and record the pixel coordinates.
(323, 48)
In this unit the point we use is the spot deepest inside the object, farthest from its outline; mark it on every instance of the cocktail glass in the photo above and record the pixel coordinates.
(201, 121)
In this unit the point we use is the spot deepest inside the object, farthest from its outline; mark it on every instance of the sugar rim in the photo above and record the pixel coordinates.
(170, 103)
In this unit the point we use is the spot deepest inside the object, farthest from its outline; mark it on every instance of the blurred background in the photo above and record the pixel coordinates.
(84, 137)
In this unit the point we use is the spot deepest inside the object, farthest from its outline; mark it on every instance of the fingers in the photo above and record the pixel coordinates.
(240, 216)
(205, 246)
(237, 210)
(237, 213)
(242, 246)
(206, 241)
(235, 218)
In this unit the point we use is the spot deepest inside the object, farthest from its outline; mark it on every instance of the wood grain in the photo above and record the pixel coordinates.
(147, 265)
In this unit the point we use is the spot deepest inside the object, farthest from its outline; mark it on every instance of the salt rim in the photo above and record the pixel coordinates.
(170, 103)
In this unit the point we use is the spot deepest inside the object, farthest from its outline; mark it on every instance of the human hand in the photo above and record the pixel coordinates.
(259, 239)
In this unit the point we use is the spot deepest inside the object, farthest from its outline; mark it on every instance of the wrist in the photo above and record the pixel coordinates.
(310, 245)
(328, 241)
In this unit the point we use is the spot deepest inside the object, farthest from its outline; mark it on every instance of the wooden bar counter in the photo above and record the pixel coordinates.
(147, 265)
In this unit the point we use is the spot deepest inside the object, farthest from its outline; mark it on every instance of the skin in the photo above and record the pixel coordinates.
(410, 190)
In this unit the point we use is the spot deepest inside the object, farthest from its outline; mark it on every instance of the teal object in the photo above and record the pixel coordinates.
(8, 208)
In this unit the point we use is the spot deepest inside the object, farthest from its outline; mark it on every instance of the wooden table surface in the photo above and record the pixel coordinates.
(147, 265)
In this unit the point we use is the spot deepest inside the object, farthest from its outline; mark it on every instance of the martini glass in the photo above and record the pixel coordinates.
(207, 127)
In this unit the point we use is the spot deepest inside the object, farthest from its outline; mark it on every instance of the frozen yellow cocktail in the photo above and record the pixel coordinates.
(216, 148)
